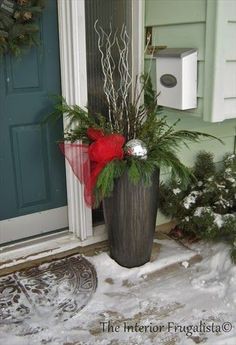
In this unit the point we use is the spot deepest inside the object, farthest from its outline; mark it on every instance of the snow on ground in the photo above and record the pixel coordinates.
(153, 304)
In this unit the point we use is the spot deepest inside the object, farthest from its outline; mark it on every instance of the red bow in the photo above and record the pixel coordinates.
(104, 149)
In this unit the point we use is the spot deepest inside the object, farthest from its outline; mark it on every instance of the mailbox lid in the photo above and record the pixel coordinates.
(175, 52)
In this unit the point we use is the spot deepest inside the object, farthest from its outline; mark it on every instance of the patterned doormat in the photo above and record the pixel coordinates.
(57, 290)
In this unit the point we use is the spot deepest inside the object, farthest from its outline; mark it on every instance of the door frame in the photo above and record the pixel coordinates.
(72, 43)
(26, 220)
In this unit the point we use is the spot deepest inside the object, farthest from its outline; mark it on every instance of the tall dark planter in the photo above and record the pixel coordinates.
(130, 217)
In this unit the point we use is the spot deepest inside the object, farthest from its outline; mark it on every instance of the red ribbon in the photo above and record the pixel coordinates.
(87, 161)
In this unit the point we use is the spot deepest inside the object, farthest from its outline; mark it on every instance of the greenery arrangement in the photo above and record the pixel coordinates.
(133, 113)
(162, 140)
(206, 208)
(19, 26)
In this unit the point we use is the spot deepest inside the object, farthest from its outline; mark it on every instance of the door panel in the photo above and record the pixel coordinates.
(17, 80)
(32, 172)
(28, 192)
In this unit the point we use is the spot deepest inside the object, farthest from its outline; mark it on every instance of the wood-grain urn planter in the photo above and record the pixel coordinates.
(130, 217)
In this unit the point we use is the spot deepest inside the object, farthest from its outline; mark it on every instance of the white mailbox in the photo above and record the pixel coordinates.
(176, 73)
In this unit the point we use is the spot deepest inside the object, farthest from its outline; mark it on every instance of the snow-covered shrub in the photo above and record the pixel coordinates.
(206, 208)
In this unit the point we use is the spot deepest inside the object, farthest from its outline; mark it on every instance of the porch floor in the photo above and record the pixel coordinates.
(153, 304)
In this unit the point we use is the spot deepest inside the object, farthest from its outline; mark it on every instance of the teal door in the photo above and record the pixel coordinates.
(32, 173)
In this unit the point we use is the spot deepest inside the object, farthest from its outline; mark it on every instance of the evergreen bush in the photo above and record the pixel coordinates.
(206, 207)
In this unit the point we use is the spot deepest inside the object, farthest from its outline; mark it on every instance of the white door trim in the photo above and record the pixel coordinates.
(33, 224)
(71, 19)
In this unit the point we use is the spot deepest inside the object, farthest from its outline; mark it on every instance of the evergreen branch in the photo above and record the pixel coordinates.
(169, 159)
(106, 179)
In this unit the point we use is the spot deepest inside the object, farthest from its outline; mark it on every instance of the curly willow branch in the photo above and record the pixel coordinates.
(123, 68)
(117, 93)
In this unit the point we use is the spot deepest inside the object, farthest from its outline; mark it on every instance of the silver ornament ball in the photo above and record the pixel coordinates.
(136, 148)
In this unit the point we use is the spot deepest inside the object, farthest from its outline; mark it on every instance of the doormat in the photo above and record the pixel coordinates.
(57, 290)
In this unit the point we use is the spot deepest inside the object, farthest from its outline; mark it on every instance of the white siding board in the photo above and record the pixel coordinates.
(181, 36)
(230, 108)
(230, 9)
(218, 129)
(190, 112)
(230, 79)
(188, 156)
(230, 41)
(163, 12)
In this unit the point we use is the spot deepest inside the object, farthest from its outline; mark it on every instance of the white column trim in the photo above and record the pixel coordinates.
(138, 10)
(71, 19)
(213, 102)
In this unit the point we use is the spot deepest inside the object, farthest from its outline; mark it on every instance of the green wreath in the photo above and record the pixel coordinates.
(19, 27)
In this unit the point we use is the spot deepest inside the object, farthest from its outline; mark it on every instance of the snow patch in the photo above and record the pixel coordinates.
(218, 219)
(185, 264)
(190, 199)
(205, 291)
(176, 191)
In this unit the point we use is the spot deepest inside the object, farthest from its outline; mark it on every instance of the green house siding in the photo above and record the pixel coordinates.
(179, 24)
(209, 26)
